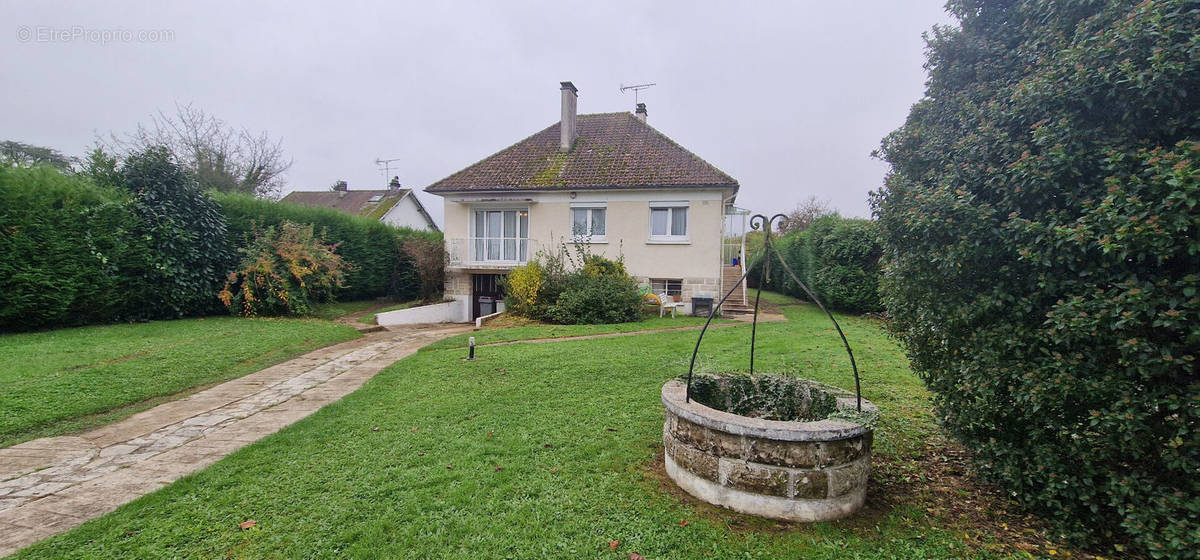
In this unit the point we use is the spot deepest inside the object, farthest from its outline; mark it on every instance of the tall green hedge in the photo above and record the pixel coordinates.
(70, 252)
(1042, 224)
(136, 240)
(373, 249)
(837, 258)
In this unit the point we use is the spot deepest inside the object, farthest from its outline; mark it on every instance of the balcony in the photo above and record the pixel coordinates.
(489, 253)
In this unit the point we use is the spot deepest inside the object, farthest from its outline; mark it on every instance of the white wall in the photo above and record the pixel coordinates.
(697, 262)
(457, 311)
(406, 214)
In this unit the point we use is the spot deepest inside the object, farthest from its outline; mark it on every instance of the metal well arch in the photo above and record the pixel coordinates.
(760, 221)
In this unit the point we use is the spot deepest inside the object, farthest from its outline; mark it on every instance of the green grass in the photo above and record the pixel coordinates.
(331, 311)
(406, 467)
(370, 317)
(491, 334)
(67, 380)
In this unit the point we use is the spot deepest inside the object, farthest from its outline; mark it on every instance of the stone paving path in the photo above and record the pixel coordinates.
(50, 485)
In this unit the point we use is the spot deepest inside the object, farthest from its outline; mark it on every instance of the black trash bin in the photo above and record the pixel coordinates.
(701, 306)
(487, 305)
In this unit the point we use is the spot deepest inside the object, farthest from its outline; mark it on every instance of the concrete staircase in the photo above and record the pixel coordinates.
(737, 301)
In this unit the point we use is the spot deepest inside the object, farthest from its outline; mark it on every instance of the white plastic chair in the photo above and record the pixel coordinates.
(668, 302)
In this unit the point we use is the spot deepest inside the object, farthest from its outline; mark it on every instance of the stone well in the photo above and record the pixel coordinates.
(794, 471)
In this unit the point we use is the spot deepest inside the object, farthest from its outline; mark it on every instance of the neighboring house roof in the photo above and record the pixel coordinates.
(612, 151)
(370, 204)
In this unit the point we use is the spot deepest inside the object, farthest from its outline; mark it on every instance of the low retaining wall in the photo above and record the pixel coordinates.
(794, 471)
(448, 312)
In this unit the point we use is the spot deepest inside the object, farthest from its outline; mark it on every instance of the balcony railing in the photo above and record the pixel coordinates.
(490, 252)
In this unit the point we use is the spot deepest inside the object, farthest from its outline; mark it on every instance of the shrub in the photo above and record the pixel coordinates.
(69, 251)
(589, 290)
(1042, 219)
(843, 263)
(427, 258)
(282, 271)
(380, 265)
(837, 258)
(595, 299)
(522, 287)
(595, 265)
(191, 253)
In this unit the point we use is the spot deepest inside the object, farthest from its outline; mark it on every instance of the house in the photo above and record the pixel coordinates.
(393, 206)
(609, 180)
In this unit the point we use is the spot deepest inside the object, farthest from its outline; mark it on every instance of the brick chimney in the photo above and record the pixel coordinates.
(640, 113)
(567, 131)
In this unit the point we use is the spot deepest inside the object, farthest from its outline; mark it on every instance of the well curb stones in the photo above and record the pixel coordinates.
(793, 471)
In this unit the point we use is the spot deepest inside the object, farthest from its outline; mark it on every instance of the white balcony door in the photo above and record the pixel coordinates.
(501, 235)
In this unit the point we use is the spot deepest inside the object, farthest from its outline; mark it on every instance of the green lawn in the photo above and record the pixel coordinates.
(542, 451)
(370, 317)
(67, 380)
(331, 311)
(490, 334)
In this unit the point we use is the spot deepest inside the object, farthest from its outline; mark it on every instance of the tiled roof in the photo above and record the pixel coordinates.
(352, 202)
(613, 151)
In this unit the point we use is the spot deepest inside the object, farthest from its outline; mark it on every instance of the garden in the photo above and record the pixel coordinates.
(554, 450)
(1024, 307)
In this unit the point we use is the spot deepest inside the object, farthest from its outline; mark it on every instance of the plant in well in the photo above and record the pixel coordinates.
(283, 271)
(1042, 226)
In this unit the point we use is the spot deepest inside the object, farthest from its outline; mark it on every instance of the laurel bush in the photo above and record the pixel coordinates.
(1042, 265)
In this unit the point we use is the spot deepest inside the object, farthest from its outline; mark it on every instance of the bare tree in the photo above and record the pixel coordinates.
(805, 213)
(222, 157)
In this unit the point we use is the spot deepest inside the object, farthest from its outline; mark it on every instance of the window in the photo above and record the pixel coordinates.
(588, 221)
(376, 198)
(501, 235)
(668, 221)
(670, 287)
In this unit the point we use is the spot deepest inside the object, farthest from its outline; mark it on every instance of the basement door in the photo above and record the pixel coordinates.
(486, 293)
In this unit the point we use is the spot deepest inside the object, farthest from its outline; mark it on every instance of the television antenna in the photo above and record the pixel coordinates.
(387, 166)
(636, 89)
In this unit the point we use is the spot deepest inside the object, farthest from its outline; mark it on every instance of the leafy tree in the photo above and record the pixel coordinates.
(26, 155)
(1042, 225)
(219, 157)
(188, 233)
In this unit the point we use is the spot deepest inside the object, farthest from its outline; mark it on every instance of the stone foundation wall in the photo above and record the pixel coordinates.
(693, 286)
(796, 471)
(457, 283)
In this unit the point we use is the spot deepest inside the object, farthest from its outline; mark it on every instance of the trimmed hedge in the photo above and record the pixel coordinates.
(69, 251)
(149, 245)
(838, 258)
(1042, 224)
(379, 265)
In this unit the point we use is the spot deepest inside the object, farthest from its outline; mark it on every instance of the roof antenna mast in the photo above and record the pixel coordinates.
(387, 166)
(636, 89)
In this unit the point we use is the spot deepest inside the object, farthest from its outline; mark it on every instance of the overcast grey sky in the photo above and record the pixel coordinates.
(788, 98)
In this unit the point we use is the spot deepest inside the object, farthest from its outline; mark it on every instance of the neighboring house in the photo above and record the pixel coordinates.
(393, 206)
(609, 180)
